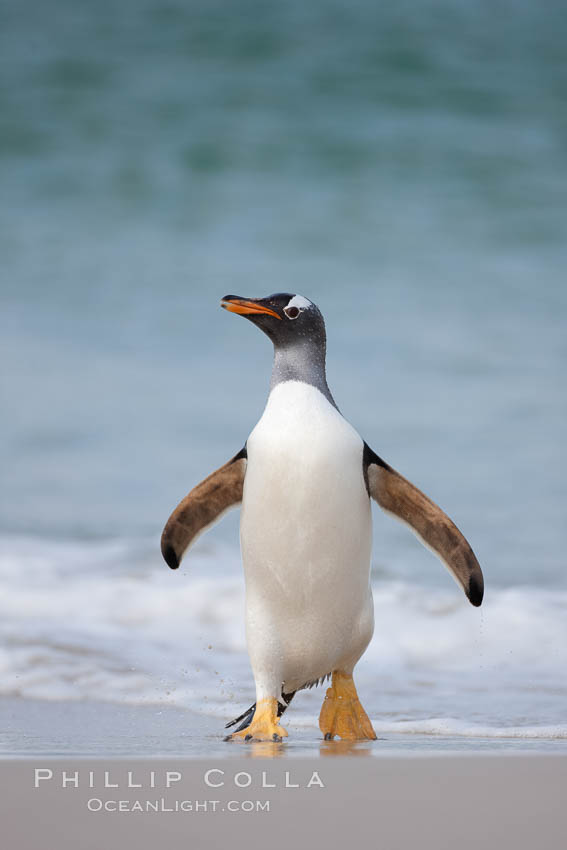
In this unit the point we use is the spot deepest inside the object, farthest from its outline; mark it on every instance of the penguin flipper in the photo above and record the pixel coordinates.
(429, 523)
(202, 507)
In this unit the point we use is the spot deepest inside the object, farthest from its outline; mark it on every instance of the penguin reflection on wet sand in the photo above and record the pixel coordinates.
(304, 479)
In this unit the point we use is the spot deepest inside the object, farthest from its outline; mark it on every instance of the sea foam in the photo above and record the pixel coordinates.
(108, 621)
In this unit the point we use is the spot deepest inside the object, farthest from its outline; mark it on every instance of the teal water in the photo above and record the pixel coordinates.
(405, 167)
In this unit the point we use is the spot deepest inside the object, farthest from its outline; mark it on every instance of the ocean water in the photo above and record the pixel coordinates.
(405, 167)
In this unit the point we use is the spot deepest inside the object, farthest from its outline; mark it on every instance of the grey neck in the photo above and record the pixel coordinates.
(303, 361)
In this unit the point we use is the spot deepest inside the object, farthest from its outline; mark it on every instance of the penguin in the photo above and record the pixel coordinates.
(304, 480)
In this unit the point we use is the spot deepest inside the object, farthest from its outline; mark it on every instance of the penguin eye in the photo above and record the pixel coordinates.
(292, 312)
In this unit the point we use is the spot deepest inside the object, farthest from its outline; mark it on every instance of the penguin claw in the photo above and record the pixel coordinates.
(264, 725)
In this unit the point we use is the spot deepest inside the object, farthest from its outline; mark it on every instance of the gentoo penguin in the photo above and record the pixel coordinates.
(304, 479)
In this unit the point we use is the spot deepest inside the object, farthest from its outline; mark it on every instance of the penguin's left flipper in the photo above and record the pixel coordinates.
(202, 507)
(430, 524)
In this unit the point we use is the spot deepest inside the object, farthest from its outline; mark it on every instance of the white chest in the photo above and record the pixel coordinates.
(304, 494)
(306, 537)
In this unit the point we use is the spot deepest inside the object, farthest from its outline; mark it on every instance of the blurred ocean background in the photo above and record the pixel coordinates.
(404, 166)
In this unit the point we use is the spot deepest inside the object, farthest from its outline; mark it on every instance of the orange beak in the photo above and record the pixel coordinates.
(247, 308)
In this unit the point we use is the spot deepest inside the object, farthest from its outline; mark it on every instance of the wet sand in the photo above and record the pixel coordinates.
(427, 802)
(91, 729)
(103, 777)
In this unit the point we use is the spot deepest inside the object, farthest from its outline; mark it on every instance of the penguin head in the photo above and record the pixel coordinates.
(287, 319)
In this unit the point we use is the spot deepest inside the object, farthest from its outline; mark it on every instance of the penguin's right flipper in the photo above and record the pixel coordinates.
(202, 507)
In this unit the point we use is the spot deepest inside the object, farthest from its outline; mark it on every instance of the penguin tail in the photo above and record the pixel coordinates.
(245, 719)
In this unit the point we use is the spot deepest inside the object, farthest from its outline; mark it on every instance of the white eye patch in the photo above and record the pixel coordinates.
(300, 302)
